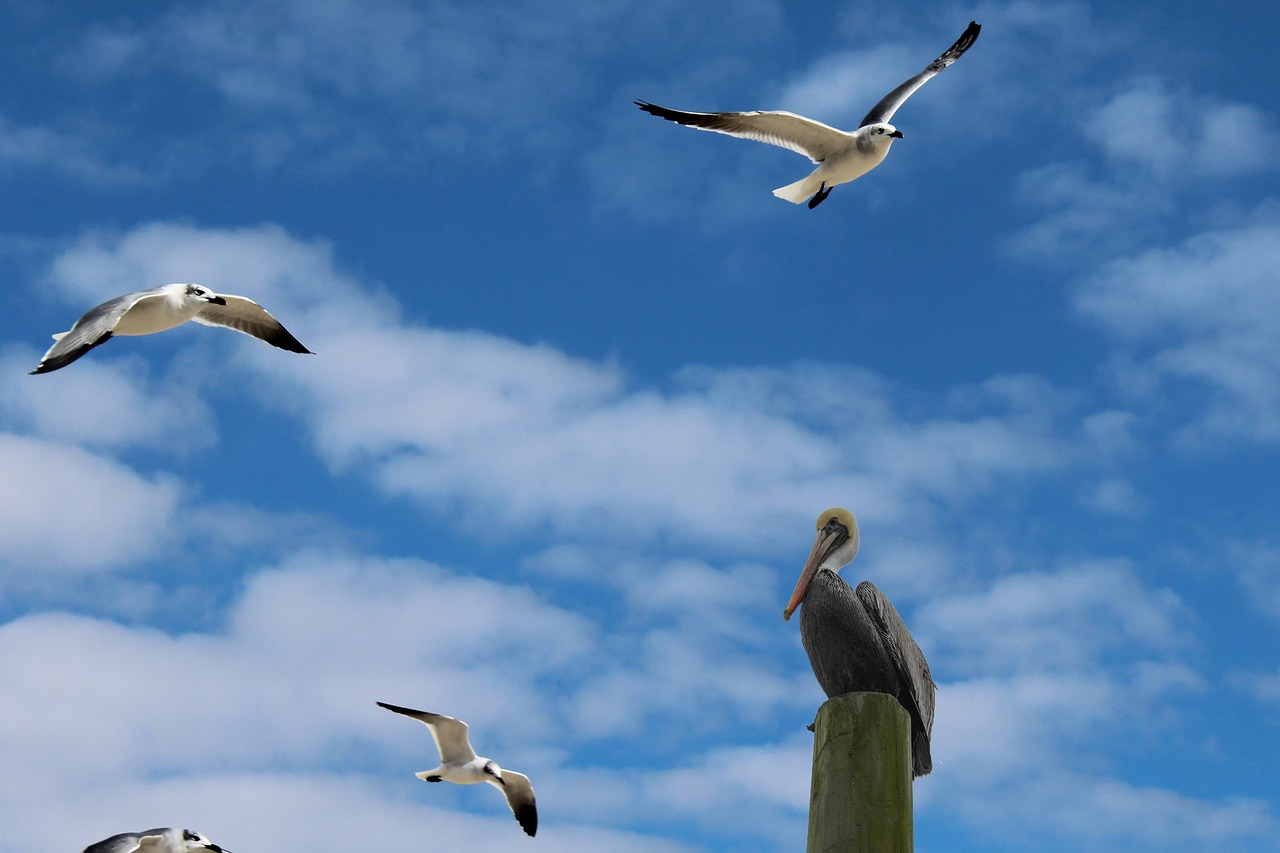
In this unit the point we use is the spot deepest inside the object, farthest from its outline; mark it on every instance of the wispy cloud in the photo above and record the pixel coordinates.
(1203, 313)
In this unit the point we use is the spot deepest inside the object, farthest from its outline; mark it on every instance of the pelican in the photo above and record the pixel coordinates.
(166, 840)
(460, 764)
(842, 155)
(855, 639)
(158, 309)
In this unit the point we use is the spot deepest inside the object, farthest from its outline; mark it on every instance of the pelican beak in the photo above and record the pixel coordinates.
(897, 134)
(828, 539)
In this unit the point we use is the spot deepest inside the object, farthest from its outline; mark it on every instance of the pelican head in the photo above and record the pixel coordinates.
(834, 547)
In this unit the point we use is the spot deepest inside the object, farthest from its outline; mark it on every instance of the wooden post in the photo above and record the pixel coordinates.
(860, 796)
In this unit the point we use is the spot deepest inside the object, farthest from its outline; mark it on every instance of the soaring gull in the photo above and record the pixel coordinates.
(166, 840)
(855, 638)
(460, 764)
(842, 155)
(149, 311)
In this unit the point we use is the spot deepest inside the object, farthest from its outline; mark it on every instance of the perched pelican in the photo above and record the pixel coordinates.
(460, 764)
(843, 155)
(166, 840)
(149, 311)
(855, 639)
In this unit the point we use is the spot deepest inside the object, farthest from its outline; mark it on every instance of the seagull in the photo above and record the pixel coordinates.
(842, 155)
(166, 840)
(855, 639)
(460, 764)
(149, 311)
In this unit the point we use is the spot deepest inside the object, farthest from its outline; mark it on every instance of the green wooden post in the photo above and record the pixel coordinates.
(860, 796)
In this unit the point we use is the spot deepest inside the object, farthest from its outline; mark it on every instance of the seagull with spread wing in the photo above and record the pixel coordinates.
(164, 840)
(842, 155)
(460, 764)
(159, 309)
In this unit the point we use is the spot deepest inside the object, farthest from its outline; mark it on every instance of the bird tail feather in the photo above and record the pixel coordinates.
(799, 192)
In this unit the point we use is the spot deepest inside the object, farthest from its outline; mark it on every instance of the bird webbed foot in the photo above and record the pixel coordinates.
(820, 196)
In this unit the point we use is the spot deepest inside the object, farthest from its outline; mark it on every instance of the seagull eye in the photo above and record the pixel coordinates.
(188, 835)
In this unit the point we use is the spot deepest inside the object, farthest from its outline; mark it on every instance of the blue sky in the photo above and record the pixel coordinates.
(582, 386)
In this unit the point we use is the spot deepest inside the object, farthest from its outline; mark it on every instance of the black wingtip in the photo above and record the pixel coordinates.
(399, 709)
(528, 818)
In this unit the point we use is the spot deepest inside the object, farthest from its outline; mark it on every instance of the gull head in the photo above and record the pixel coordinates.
(194, 841)
(200, 293)
(494, 772)
(881, 133)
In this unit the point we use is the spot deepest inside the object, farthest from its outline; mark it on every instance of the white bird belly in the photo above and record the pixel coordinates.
(151, 316)
(470, 773)
(854, 164)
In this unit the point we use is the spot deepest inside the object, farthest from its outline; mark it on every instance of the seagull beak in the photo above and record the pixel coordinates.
(216, 300)
(823, 544)
(897, 134)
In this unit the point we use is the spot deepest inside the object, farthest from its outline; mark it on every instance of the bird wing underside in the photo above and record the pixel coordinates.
(449, 734)
(890, 103)
(813, 139)
(520, 799)
(92, 329)
(245, 315)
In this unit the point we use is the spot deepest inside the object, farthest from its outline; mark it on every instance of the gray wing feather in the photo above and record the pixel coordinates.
(125, 842)
(907, 658)
(889, 104)
(92, 329)
(245, 315)
(450, 734)
(813, 139)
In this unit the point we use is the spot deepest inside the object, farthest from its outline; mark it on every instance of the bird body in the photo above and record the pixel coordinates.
(460, 764)
(160, 309)
(165, 840)
(842, 155)
(855, 639)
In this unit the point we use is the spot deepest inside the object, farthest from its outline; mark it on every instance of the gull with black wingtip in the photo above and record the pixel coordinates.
(164, 840)
(460, 764)
(159, 309)
(842, 155)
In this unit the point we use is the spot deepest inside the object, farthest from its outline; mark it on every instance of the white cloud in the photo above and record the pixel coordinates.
(1203, 311)
(1054, 621)
(1147, 147)
(64, 511)
(292, 84)
(70, 152)
(279, 697)
(1180, 135)
(104, 406)
(483, 427)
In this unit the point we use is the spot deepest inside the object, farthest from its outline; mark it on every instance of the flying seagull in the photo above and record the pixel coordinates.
(149, 311)
(460, 764)
(842, 155)
(166, 840)
(855, 639)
